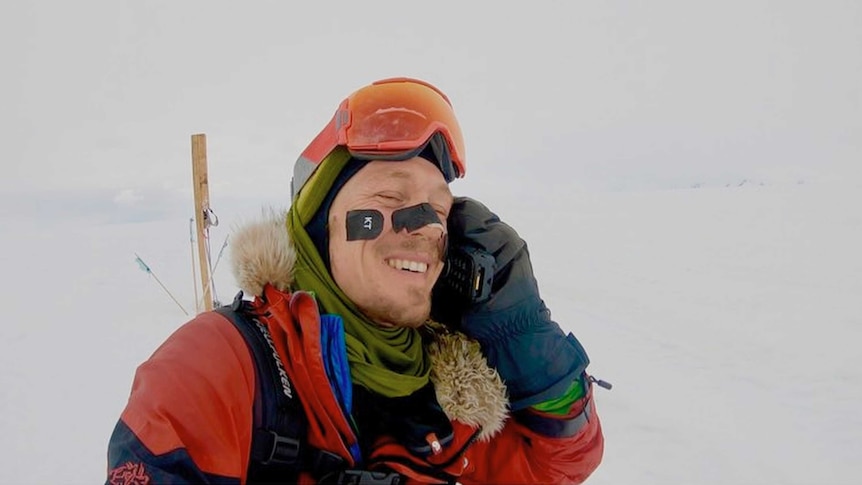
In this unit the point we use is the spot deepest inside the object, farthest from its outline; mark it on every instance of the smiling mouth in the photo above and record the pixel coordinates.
(407, 265)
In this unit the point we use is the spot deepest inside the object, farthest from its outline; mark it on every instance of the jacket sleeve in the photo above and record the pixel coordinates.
(520, 454)
(189, 415)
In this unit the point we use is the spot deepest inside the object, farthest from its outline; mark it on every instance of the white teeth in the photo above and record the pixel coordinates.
(414, 266)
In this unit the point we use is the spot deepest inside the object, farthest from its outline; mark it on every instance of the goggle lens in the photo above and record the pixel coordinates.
(397, 117)
(392, 119)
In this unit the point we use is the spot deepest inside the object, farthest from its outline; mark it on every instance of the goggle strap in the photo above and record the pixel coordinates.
(444, 158)
(302, 170)
(313, 154)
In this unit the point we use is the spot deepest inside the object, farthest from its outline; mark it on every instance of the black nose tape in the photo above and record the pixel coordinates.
(415, 217)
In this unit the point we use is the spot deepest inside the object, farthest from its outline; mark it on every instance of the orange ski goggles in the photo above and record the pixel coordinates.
(393, 119)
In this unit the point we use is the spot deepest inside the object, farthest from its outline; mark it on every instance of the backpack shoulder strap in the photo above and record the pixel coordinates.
(279, 421)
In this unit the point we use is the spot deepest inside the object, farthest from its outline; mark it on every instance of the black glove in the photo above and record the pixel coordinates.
(533, 356)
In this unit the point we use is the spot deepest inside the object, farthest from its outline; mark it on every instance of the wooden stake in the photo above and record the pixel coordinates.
(194, 270)
(202, 205)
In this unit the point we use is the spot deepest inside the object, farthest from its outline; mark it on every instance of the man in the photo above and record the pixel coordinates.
(343, 289)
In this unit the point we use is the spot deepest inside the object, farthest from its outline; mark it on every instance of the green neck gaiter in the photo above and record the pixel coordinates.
(388, 361)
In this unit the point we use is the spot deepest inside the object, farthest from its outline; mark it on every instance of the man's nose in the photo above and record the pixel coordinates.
(432, 231)
(433, 236)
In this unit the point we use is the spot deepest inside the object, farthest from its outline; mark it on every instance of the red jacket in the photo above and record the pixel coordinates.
(189, 416)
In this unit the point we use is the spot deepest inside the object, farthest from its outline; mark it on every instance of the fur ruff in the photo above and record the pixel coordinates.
(261, 253)
(468, 390)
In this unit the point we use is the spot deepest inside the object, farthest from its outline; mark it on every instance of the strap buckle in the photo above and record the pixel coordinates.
(324, 462)
(284, 450)
(366, 477)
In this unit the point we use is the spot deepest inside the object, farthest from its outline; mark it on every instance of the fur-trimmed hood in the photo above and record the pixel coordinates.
(467, 389)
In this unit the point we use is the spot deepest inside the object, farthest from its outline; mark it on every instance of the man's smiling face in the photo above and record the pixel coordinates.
(390, 278)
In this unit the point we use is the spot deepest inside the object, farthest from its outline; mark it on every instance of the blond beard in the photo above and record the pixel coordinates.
(387, 314)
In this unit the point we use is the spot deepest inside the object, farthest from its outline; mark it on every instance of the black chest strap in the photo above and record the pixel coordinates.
(278, 439)
(279, 450)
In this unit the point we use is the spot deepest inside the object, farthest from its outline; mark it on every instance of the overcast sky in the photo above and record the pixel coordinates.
(100, 97)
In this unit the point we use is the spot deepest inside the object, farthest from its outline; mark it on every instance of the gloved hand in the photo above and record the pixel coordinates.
(533, 356)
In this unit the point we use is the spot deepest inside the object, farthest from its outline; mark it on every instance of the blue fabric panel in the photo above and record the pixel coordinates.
(334, 349)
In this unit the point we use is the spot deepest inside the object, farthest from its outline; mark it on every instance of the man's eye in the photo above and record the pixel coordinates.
(441, 211)
(389, 198)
